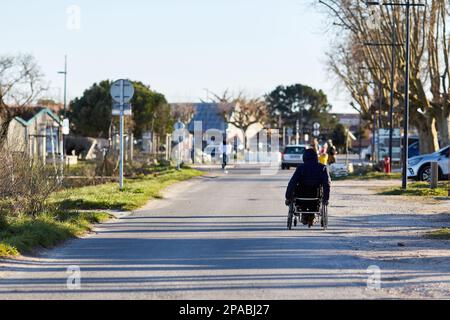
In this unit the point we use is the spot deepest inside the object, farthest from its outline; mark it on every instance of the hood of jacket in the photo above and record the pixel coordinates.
(310, 156)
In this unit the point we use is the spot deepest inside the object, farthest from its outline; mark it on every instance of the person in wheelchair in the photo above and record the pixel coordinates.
(310, 180)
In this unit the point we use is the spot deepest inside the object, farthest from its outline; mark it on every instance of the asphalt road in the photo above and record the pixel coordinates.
(224, 236)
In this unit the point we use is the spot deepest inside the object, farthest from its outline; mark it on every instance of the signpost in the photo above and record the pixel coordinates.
(290, 132)
(121, 92)
(178, 126)
(316, 131)
(116, 109)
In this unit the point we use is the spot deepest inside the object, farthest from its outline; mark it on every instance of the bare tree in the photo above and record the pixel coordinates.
(21, 83)
(243, 112)
(357, 65)
(182, 111)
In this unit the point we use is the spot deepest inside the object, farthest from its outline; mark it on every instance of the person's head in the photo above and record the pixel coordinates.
(310, 156)
(330, 142)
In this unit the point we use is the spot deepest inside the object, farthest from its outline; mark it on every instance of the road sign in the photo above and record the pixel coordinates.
(290, 131)
(65, 127)
(122, 91)
(179, 125)
(116, 108)
(316, 126)
(316, 133)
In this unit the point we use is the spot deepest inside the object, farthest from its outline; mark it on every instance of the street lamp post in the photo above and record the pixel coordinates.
(391, 102)
(408, 6)
(63, 140)
(65, 85)
(406, 116)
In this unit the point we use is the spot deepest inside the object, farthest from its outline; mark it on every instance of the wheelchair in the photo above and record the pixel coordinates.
(307, 208)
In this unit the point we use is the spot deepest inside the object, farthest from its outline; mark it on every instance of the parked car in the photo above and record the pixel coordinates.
(292, 155)
(419, 167)
(413, 150)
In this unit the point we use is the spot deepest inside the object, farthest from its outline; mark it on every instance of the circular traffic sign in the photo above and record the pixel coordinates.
(178, 125)
(316, 126)
(122, 91)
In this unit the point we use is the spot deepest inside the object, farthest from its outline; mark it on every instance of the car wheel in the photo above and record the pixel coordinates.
(425, 173)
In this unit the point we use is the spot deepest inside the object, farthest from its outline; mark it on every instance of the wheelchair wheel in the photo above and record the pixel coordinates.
(290, 218)
(324, 219)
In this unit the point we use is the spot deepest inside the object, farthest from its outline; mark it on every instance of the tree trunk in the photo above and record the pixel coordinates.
(427, 134)
(443, 127)
(244, 131)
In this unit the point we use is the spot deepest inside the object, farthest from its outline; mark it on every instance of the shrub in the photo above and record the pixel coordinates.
(25, 184)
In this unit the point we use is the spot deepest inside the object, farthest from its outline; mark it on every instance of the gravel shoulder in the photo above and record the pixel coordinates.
(389, 231)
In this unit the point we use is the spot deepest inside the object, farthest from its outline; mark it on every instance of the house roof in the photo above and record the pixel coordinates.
(26, 116)
(210, 115)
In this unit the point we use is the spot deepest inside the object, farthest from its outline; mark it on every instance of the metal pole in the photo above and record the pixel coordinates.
(380, 107)
(179, 154)
(391, 106)
(360, 135)
(346, 148)
(373, 136)
(406, 111)
(121, 135)
(65, 86)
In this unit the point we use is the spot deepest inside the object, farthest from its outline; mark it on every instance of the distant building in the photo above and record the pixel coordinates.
(210, 115)
(35, 131)
(350, 120)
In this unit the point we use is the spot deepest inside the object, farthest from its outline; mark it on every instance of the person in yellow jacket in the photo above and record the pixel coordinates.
(323, 158)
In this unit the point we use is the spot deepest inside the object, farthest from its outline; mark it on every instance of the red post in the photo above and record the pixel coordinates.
(387, 165)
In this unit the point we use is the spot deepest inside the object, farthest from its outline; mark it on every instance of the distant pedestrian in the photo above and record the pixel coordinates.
(225, 151)
(315, 146)
(331, 152)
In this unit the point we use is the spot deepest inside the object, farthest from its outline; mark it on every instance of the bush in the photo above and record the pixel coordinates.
(25, 184)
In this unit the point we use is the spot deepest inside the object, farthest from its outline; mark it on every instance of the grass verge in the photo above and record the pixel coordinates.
(418, 189)
(369, 176)
(23, 234)
(136, 193)
(441, 234)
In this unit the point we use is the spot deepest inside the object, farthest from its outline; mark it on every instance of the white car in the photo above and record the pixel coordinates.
(292, 155)
(419, 167)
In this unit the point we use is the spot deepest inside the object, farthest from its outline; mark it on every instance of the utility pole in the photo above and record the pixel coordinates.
(65, 85)
(391, 103)
(373, 136)
(360, 135)
(62, 139)
(408, 6)
(406, 111)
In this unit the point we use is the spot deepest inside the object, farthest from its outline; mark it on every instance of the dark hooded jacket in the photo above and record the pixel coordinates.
(310, 174)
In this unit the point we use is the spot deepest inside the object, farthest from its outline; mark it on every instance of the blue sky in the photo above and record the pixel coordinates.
(179, 48)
